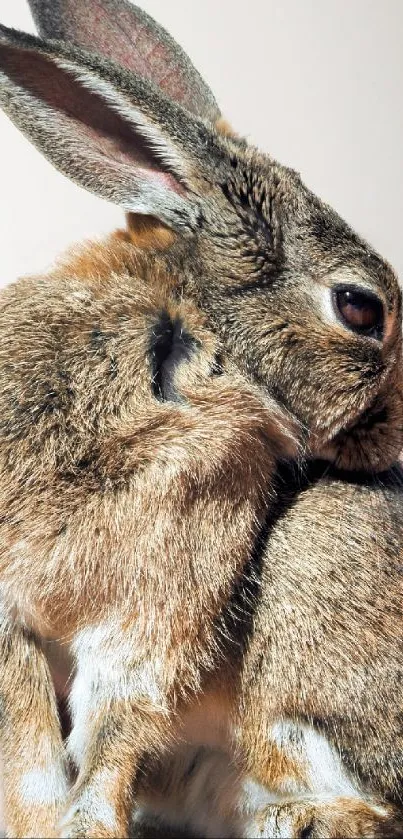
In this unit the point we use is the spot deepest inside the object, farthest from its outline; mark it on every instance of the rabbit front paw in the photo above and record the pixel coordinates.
(332, 819)
(91, 819)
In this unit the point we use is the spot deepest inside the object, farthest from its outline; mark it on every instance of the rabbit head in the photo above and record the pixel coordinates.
(304, 306)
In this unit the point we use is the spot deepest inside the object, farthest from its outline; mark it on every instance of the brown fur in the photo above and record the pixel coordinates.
(30, 737)
(322, 662)
(146, 233)
(223, 127)
(101, 471)
(342, 818)
(255, 249)
(139, 438)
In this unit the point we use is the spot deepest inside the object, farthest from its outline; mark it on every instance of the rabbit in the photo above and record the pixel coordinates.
(116, 534)
(320, 681)
(265, 259)
(237, 316)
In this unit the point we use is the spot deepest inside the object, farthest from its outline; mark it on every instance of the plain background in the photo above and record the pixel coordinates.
(317, 83)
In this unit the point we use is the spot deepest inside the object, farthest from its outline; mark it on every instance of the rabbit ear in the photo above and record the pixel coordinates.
(124, 33)
(112, 133)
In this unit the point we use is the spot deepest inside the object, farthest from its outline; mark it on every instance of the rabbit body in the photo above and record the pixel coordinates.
(119, 426)
(311, 741)
(108, 516)
(150, 387)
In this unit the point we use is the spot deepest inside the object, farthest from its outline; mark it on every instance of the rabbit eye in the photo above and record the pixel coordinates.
(360, 310)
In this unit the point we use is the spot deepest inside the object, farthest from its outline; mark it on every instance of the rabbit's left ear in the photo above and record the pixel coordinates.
(121, 31)
(108, 130)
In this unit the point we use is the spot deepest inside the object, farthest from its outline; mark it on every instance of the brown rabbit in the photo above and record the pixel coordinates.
(134, 478)
(320, 685)
(120, 403)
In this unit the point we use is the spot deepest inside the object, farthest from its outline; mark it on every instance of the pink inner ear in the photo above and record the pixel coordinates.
(100, 133)
(125, 34)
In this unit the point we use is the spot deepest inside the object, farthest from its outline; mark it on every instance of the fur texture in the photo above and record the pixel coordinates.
(150, 386)
(117, 534)
(318, 726)
(257, 251)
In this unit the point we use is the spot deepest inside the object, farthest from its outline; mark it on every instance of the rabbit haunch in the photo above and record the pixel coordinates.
(315, 717)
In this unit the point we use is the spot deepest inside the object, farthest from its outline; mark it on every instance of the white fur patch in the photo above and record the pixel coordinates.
(107, 671)
(93, 804)
(78, 295)
(44, 786)
(325, 774)
(106, 657)
(281, 828)
(257, 796)
(20, 548)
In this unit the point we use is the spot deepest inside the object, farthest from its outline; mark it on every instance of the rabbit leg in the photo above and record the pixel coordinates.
(100, 800)
(310, 792)
(35, 780)
(118, 715)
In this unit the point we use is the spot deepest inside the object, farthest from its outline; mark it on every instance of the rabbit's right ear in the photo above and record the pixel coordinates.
(118, 30)
(106, 129)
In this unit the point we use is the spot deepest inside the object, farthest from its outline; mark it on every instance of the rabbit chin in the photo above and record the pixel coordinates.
(372, 444)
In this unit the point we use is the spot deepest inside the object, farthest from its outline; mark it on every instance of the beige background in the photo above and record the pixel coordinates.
(318, 83)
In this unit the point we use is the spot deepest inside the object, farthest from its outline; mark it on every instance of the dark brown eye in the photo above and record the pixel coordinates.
(360, 310)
